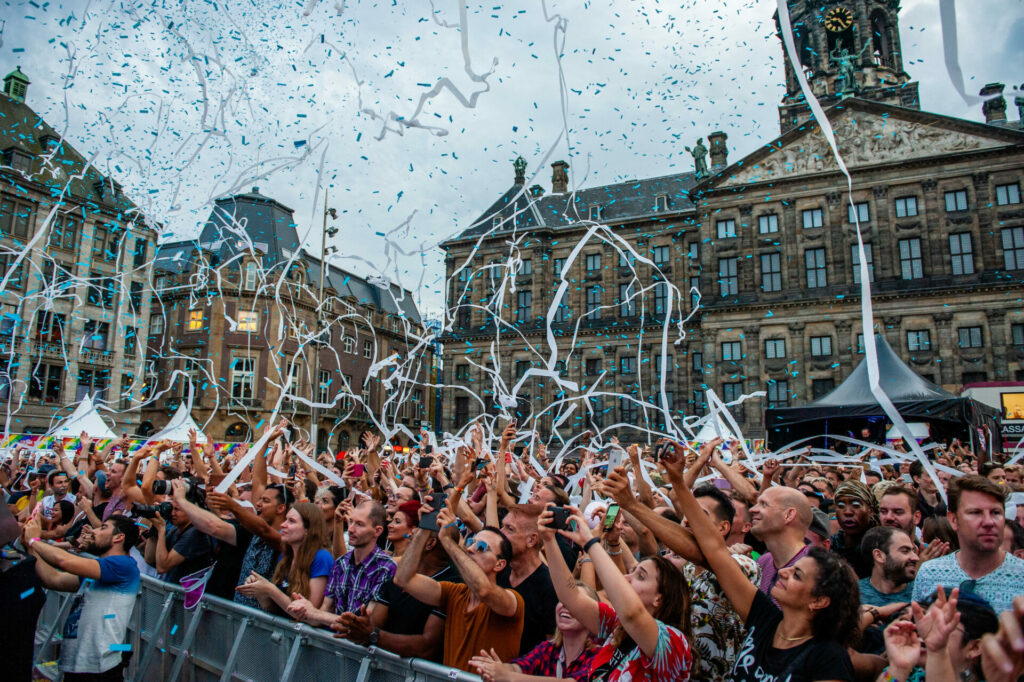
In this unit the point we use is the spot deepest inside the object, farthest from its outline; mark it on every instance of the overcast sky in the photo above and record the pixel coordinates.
(179, 101)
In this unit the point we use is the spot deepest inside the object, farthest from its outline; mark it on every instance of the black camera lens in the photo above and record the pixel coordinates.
(164, 488)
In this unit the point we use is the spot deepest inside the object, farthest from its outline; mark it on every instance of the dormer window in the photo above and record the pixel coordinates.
(496, 221)
(48, 140)
(18, 159)
(661, 202)
(595, 212)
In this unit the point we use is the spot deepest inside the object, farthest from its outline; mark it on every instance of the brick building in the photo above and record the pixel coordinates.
(76, 262)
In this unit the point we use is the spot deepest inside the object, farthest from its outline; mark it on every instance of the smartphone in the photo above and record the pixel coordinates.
(665, 451)
(480, 463)
(426, 461)
(437, 502)
(561, 518)
(429, 449)
(610, 516)
(358, 469)
(291, 471)
(615, 458)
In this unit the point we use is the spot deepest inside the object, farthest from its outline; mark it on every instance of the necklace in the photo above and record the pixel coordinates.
(794, 639)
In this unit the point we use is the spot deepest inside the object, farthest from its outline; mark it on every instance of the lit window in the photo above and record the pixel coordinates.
(248, 321)
(195, 320)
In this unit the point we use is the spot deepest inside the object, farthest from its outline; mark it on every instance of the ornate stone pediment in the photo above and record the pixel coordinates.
(864, 139)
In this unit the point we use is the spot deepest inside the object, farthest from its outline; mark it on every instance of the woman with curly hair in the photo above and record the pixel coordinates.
(805, 637)
(304, 565)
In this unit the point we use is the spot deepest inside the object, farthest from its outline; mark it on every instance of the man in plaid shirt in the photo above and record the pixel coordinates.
(356, 576)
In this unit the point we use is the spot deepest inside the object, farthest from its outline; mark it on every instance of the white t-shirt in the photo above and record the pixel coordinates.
(50, 500)
(94, 632)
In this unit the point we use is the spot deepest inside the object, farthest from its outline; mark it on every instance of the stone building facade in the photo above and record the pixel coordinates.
(76, 267)
(236, 316)
(767, 241)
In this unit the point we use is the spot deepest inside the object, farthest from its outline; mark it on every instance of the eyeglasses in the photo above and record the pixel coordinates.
(478, 545)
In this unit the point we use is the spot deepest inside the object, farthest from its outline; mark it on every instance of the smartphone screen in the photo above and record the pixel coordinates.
(610, 516)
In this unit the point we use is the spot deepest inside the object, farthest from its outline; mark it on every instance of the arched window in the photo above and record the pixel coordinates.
(344, 438)
(881, 44)
(251, 272)
(237, 432)
(145, 429)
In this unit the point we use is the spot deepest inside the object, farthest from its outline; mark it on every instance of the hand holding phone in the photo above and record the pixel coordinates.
(428, 521)
(560, 518)
(610, 516)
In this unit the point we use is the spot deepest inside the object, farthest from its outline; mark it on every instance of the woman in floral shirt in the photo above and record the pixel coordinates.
(642, 631)
(567, 655)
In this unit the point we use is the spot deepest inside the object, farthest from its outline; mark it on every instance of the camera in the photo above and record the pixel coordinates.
(149, 511)
(164, 487)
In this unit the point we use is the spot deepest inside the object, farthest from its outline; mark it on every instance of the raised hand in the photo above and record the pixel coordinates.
(618, 488)
(935, 625)
(903, 647)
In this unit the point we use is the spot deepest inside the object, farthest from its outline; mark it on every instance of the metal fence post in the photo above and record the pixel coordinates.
(229, 665)
(186, 641)
(293, 657)
(154, 635)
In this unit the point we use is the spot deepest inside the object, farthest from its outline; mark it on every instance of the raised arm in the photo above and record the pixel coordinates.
(739, 483)
(580, 605)
(730, 576)
(420, 587)
(502, 601)
(204, 521)
(642, 488)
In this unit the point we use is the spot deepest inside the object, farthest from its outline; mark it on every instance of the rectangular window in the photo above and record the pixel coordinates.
(699, 401)
(50, 328)
(627, 302)
(956, 201)
(821, 346)
(15, 217)
(1013, 248)
(732, 350)
(660, 298)
(693, 251)
(462, 372)
(728, 280)
(521, 368)
(920, 339)
(814, 261)
(593, 367)
(859, 212)
(768, 224)
(629, 411)
(1007, 194)
(524, 300)
(813, 217)
(593, 263)
(64, 233)
(463, 317)
(195, 320)
(855, 261)
(461, 411)
(252, 274)
(594, 302)
(526, 267)
(771, 272)
(697, 362)
(368, 349)
(348, 344)
(243, 378)
(860, 344)
(775, 349)
(969, 337)
(778, 394)
(974, 377)
(661, 255)
(659, 362)
(821, 388)
(156, 325)
(16, 281)
(961, 253)
(694, 291)
(562, 313)
(906, 207)
(97, 335)
(558, 264)
(131, 338)
(1017, 335)
(323, 391)
(248, 321)
(92, 382)
(627, 365)
(46, 383)
(8, 373)
(141, 252)
(726, 228)
(731, 391)
(911, 265)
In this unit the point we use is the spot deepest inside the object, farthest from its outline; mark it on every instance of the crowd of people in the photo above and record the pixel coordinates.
(638, 562)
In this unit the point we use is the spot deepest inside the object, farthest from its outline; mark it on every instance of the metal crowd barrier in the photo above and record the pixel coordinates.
(221, 640)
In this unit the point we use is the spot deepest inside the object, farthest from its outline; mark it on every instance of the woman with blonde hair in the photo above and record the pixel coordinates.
(304, 564)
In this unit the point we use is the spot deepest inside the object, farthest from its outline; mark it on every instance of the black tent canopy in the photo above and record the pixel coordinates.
(851, 407)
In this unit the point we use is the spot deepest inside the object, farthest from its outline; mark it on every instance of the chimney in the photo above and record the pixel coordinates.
(536, 191)
(719, 152)
(994, 106)
(559, 177)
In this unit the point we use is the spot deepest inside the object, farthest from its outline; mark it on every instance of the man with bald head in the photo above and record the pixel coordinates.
(781, 519)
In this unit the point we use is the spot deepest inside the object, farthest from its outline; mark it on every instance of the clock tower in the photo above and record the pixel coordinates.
(846, 48)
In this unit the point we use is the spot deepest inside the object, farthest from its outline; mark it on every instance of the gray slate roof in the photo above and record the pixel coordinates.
(620, 202)
(270, 227)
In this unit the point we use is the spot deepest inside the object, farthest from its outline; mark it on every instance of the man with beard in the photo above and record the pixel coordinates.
(855, 511)
(95, 629)
(981, 566)
(894, 563)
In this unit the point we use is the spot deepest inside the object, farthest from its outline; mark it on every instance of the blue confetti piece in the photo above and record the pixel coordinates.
(110, 616)
(173, 630)
(28, 593)
(120, 647)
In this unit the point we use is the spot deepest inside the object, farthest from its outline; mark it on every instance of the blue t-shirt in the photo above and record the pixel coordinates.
(869, 595)
(323, 562)
(99, 617)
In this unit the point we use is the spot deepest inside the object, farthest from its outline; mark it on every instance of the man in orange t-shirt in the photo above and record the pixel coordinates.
(479, 614)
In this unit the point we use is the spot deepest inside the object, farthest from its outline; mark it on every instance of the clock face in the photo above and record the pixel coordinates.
(838, 19)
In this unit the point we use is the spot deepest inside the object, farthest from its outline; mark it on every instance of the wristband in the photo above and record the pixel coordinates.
(453, 523)
(448, 487)
(590, 543)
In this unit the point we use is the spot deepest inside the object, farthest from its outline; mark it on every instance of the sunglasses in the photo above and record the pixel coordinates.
(478, 545)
